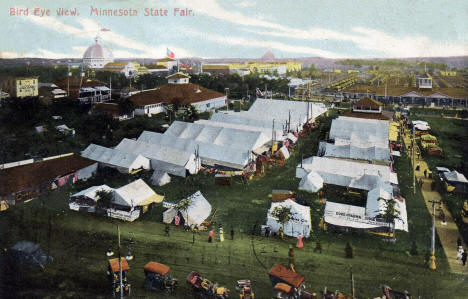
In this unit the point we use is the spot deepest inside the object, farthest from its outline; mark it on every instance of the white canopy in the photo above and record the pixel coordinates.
(312, 182)
(299, 224)
(197, 212)
(124, 161)
(455, 176)
(284, 150)
(137, 193)
(160, 178)
(91, 192)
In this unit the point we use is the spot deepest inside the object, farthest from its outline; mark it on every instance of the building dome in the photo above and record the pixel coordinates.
(97, 55)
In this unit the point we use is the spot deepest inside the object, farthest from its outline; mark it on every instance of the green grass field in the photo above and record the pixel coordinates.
(78, 242)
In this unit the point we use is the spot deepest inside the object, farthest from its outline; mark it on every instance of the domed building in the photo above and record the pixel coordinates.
(97, 55)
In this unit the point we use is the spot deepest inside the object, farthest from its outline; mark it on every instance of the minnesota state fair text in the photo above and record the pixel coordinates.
(153, 12)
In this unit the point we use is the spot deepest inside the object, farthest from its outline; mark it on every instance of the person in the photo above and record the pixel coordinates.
(459, 242)
(299, 244)
(292, 260)
(177, 220)
(221, 234)
(267, 231)
(425, 173)
(459, 254)
(193, 237)
(166, 230)
(232, 233)
(281, 233)
(210, 236)
(417, 166)
(464, 256)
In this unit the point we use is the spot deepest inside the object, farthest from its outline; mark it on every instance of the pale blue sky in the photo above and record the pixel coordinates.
(222, 28)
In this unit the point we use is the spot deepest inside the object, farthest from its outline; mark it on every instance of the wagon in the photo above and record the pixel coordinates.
(157, 277)
(113, 274)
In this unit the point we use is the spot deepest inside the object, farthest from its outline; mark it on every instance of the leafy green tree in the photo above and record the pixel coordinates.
(349, 250)
(191, 113)
(390, 214)
(282, 214)
(104, 198)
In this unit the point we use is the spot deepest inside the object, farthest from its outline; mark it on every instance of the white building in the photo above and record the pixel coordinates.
(97, 55)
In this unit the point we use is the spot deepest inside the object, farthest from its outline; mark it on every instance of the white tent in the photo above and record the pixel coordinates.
(137, 193)
(312, 182)
(123, 161)
(91, 192)
(210, 154)
(299, 224)
(197, 212)
(163, 158)
(160, 178)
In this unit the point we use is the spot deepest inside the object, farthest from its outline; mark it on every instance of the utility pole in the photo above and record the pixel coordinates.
(413, 154)
(432, 264)
(120, 265)
(352, 283)
(226, 90)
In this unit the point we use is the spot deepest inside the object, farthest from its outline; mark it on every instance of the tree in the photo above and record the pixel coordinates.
(126, 106)
(104, 198)
(390, 214)
(191, 113)
(282, 214)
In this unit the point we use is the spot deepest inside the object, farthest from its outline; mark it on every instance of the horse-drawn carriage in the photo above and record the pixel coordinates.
(206, 289)
(157, 277)
(113, 273)
(244, 287)
(288, 284)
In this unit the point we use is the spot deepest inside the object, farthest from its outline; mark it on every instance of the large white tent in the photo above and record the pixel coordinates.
(197, 212)
(356, 138)
(135, 194)
(210, 154)
(123, 161)
(267, 131)
(347, 173)
(163, 158)
(299, 223)
(234, 138)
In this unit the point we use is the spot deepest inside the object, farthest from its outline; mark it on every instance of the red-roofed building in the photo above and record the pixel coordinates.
(180, 92)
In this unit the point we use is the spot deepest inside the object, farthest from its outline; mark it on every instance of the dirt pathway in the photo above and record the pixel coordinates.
(447, 232)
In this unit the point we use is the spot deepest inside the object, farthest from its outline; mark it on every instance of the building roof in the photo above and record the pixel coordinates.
(401, 91)
(97, 50)
(19, 178)
(75, 82)
(113, 157)
(368, 102)
(182, 94)
(377, 116)
(178, 75)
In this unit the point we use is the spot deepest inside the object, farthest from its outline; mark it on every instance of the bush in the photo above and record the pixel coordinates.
(349, 251)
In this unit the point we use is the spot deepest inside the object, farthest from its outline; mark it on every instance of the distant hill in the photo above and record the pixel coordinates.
(459, 62)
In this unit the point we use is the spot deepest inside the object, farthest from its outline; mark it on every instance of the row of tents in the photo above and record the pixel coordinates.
(229, 141)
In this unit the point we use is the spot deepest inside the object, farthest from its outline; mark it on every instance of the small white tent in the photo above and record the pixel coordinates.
(160, 178)
(312, 182)
(299, 224)
(198, 210)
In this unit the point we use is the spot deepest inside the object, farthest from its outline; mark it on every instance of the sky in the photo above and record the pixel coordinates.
(244, 29)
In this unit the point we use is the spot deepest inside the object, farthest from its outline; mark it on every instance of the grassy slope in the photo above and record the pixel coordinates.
(78, 243)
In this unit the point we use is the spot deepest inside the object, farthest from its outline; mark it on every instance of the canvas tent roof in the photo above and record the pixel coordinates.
(312, 182)
(369, 130)
(299, 224)
(198, 210)
(245, 127)
(347, 173)
(163, 158)
(455, 176)
(210, 154)
(160, 178)
(30, 253)
(115, 157)
(228, 137)
(91, 191)
(137, 193)
(350, 151)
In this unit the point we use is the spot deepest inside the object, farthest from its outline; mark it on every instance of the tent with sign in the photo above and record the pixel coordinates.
(299, 222)
(194, 210)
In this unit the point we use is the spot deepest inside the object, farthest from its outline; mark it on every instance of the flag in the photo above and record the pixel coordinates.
(169, 53)
(105, 29)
